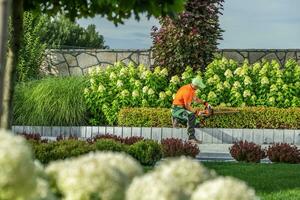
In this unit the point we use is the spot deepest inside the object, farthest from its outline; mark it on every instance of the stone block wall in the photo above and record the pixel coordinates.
(74, 62)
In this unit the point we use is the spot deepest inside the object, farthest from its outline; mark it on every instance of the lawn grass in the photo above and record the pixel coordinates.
(270, 181)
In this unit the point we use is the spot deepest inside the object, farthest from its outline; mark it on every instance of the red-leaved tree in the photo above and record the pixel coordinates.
(190, 39)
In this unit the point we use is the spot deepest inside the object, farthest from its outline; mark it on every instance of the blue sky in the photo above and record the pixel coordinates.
(247, 24)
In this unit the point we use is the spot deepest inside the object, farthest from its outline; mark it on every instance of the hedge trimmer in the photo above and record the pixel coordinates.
(209, 111)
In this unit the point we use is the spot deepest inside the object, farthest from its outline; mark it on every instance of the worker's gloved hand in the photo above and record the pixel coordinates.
(206, 104)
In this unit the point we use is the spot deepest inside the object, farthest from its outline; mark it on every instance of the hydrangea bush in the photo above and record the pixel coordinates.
(94, 176)
(225, 188)
(230, 84)
(121, 86)
(108, 176)
(18, 177)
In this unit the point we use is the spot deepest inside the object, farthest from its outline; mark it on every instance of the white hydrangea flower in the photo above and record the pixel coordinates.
(112, 76)
(247, 93)
(256, 67)
(124, 93)
(141, 68)
(92, 81)
(185, 75)
(211, 81)
(253, 98)
(151, 91)
(238, 71)
(219, 87)
(119, 83)
(226, 84)
(264, 81)
(101, 88)
(162, 95)
(168, 93)
(145, 89)
(157, 70)
(236, 85)
(175, 79)
(123, 71)
(264, 70)
(216, 78)
(135, 93)
(137, 83)
(211, 95)
(228, 73)
(151, 187)
(247, 80)
(273, 88)
(279, 81)
(86, 91)
(183, 172)
(285, 87)
(95, 175)
(224, 188)
(145, 74)
(164, 72)
(144, 102)
(18, 177)
(130, 167)
(43, 191)
(272, 100)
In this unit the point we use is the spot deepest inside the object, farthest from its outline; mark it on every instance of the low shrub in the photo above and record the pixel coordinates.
(109, 145)
(173, 147)
(127, 140)
(148, 152)
(247, 151)
(283, 152)
(246, 117)
(46, 152)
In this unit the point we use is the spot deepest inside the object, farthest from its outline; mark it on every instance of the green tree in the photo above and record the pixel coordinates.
(113, 10)
(190, 39)
(60, 32)
(32, 50)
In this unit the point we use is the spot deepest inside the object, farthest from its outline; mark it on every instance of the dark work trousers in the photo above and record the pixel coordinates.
(184, 116)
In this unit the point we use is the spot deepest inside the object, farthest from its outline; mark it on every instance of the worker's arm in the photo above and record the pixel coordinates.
(189, 107)
(198, 100)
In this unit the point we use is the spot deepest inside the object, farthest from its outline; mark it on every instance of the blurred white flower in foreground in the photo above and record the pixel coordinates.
(224, 188)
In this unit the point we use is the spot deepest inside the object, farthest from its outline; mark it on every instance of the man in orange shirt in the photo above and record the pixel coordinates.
(182, 110)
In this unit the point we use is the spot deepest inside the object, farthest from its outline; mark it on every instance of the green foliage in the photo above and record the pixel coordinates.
(190, 39)
(126, 86)
(32, 50)
(51, 101)
(270, 181)
(115, 11)
(110, 145)
(148, 152)
(148, 117)
(60, 32)
(247, 117)
(229, 84)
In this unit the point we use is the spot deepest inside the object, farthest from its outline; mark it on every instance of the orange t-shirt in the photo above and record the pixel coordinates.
(184, 95)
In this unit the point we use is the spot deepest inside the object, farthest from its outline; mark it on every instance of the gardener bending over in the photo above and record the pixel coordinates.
(182, 110)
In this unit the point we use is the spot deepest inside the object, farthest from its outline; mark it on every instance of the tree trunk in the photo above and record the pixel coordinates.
(4, 8)
(11, 65)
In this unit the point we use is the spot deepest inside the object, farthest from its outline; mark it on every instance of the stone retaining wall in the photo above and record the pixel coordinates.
(70, 62)
(206, 135)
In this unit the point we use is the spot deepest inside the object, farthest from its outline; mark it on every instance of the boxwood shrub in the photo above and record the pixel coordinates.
(148, 152)
(247, 117)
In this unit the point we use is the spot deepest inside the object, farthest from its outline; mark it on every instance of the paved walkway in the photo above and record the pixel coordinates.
(219, 152)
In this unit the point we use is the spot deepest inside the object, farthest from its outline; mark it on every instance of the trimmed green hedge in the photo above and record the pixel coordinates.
(247, 117)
